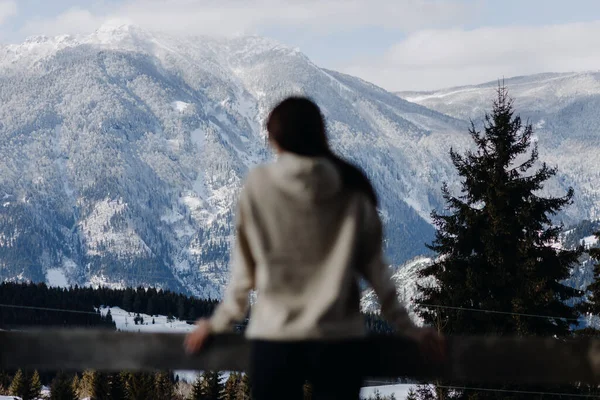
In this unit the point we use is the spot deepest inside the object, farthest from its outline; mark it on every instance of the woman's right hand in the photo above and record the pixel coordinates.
(196, 339)
(431, 343)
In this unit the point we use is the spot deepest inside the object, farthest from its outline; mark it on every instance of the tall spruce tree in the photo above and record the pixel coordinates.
(496, 243)
(62, 388)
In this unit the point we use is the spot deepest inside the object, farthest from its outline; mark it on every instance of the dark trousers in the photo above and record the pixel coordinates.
(279, 370)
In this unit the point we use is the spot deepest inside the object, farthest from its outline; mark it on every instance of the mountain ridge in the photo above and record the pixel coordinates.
(122, 157)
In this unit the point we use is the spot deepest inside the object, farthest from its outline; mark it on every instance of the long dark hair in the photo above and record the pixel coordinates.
(297, 125)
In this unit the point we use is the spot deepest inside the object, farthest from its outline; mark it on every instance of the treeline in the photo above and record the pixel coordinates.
(209, 385)
(29, 304)
(26, 304)
(36, 304)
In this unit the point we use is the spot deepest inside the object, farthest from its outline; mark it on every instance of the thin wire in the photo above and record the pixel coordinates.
(425, 305)
(48, 309)
(520, 391)
(499, 312)
(479, 310)
(384, 383)
(72, 311)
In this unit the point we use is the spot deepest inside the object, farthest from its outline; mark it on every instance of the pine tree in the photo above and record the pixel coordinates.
(412, 395)
(150, 307)
(139, 386)
(86, 384)
(244, 391)
(376, 395)
(19, 386)
(229, 391)
(62, 388)
(35, 386)
(496, 244)
(163, 386)
(5, 381)
(100, 387)
(308, 391)
(76, 383)
(128, 300)
(198, 389)
(137, 303)
(181, 309)
(116, 386)
(211, 385)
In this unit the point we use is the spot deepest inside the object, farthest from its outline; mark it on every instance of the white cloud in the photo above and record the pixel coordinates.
(431, 59)
(73, 21)
(7, 10)
(242, 16)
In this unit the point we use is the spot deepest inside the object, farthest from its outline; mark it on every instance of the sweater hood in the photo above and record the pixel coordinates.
(311, 179)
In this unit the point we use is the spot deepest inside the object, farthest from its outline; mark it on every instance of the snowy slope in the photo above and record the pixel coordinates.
(122, 153)
(124, 321)
(563, 108)
(400, 391)
(406, 278)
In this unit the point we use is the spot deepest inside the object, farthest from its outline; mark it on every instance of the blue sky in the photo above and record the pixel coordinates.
(397, 44)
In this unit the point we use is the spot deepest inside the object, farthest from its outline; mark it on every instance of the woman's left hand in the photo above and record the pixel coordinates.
(196, 339)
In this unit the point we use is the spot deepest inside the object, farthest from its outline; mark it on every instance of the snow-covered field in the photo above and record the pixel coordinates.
(125, 322)
(399, 391)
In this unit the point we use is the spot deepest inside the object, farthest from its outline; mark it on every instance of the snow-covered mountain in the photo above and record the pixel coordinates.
(122, 152)
(564, 111)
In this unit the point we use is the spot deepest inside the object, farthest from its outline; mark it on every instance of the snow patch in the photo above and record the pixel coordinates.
(124, 322)
(56, 277)
(180, 106)
(589, 241)
(100, 231)
(171, 216)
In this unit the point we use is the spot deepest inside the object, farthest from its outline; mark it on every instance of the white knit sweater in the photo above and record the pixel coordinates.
(303, 241)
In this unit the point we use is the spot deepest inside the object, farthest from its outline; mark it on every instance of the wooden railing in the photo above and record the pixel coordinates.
(469, 359)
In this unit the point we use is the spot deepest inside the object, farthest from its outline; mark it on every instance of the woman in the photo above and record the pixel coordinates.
(307, 229)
